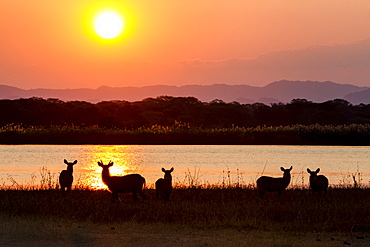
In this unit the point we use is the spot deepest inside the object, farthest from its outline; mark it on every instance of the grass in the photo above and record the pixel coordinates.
(297, 210)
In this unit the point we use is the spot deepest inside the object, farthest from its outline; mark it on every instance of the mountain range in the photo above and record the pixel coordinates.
(280, 91)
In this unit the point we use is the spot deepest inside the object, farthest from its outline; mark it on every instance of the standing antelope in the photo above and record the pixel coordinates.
(270, 184)
(66, 176)
(318, 183)
(132, 183)
(163, 186)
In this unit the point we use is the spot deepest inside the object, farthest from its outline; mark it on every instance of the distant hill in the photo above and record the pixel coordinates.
(359, 97)
(279, 91)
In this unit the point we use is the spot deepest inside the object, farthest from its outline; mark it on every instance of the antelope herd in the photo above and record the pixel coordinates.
(135, 183)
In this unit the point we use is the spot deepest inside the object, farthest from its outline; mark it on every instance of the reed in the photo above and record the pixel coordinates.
(353, 134)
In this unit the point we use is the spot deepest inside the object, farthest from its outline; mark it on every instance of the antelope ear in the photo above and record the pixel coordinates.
(75, 162)
(308, 170)
(100, 163)
(282, 168)
(163, 170)
(110, 163)
(65, 161)
(172, 169)
(318, 169)
(291, 167)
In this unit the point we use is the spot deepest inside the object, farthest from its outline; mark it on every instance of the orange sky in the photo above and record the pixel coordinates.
(47, 43)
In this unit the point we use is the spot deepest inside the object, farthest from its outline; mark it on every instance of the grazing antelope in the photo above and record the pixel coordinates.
(66, 176)
(132, 183)
(318, 183)
(270, 184)
(163, 186)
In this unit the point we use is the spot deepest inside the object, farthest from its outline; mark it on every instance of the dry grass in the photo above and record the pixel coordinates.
(31, 231)
(342, 210)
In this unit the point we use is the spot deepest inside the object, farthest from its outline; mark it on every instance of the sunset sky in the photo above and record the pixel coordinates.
(52, 44)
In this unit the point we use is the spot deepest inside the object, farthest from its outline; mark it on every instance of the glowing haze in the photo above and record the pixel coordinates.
(53, 44)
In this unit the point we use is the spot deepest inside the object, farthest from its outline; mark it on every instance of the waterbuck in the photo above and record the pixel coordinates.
(132, 183)
(163, 186)
(270, 184)
(318, 183)
(66, 176)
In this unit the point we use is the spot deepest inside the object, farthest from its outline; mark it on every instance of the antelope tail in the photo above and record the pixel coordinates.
(144, 183)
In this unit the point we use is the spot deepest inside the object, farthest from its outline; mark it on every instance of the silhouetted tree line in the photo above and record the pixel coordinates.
(166, 110)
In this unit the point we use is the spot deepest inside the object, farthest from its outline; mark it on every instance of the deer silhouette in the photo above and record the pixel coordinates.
(163, 186)
(132, 183)
(66, 176)
(271, 184)
(318, 183)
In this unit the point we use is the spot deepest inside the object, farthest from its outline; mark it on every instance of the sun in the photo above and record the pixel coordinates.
(108, 24)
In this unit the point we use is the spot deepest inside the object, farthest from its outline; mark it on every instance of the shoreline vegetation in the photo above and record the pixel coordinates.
(227, 205)
(180, 133)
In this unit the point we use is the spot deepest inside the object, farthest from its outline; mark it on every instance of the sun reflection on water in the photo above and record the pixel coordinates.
(124, 159)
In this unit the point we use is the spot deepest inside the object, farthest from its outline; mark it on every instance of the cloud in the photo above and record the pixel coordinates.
(230, 62)
(349, 63)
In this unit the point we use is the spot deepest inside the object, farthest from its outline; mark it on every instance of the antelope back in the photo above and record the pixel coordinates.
(271, 184)
(125, 184)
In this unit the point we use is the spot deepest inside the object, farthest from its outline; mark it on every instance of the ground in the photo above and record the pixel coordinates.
(25, 232)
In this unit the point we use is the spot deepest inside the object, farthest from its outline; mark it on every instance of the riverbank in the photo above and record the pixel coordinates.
(351, 135)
